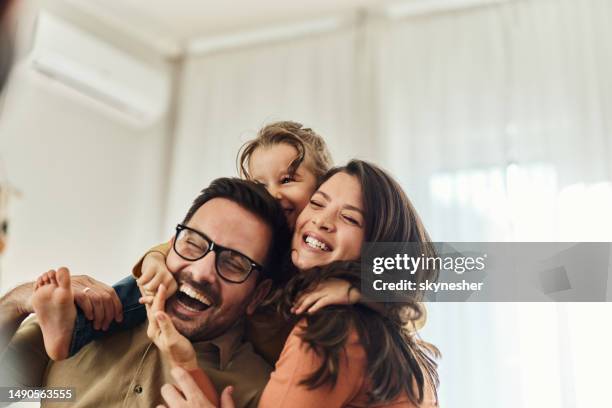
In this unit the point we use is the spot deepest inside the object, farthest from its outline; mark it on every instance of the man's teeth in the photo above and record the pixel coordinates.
(315, 243)
(192, 293)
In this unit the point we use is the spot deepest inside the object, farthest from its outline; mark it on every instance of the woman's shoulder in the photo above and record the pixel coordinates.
(313, 336)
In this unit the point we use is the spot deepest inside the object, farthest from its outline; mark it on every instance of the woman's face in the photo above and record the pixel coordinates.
(331, 227)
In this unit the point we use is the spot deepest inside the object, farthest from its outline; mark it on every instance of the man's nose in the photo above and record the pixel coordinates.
(205, 270)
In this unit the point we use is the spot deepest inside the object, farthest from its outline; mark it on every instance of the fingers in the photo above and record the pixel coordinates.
(99, 301)
(85, 303)
(171, 285)
(168, 331)
(226, 397)
(117, 306)
(190, 389)
(159, 302)
(146, 277)
(109, 309)
(173, 397)
(157, 305)
(98, 308)
(153, 327)
(146, 300)
(150, 285)
(317, 305)
(154, 283)
(153, 271)
(305, 302)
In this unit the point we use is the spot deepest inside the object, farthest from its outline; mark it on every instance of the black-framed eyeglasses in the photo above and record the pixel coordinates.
(231, 265)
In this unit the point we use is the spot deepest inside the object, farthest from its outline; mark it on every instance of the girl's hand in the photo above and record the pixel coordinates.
(154, 272)
(329, 292)
(187, 394)
(175, 347)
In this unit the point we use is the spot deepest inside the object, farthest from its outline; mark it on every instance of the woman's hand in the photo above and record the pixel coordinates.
(154, 272)
(329, 292)
(187, 394)
(172, 344)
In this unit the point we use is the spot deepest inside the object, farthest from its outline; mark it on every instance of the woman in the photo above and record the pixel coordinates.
(343, 355)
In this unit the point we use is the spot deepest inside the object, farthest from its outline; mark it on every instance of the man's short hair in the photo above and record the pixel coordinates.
(256, 199)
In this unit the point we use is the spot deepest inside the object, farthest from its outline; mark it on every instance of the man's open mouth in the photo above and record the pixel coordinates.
(192, 299)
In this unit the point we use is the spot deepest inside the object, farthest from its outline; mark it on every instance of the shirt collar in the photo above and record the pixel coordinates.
(225, 344)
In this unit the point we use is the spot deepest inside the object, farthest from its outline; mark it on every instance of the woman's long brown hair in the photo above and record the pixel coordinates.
(397, 360)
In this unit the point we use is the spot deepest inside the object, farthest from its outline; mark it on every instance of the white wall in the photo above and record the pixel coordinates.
(91, 183)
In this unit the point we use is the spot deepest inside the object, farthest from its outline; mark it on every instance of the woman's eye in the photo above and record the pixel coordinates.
(351, 220)
(316, 204)
(286, 179)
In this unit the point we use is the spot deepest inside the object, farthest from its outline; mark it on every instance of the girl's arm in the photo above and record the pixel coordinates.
(151, 271)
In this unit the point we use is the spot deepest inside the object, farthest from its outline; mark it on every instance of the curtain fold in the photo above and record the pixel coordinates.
(496, 120)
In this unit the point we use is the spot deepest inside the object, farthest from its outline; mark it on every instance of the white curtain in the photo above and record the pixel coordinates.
(498, 123)
(227, 96)
(496, 120)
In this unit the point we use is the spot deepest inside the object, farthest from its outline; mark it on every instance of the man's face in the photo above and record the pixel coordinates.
(229, 225)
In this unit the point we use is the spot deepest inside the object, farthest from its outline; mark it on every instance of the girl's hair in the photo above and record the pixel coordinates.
(309, 145)
(397, 360)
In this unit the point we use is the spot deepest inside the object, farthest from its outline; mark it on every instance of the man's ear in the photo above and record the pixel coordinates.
(261, 291)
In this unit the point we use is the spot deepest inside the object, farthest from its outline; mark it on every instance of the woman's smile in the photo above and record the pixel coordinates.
(330, 228)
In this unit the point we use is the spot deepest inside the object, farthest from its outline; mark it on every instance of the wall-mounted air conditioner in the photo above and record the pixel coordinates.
(101, 72)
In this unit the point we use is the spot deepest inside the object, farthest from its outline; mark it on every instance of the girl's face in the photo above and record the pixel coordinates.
(331, 227)
(270, 167)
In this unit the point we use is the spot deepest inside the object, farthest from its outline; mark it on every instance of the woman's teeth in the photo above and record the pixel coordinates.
(315, 243)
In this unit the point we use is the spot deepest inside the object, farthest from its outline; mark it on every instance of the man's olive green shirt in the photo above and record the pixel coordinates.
(126, 369)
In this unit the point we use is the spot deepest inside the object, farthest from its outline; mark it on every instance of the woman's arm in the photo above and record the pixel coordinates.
(187, 393)
(298, 361)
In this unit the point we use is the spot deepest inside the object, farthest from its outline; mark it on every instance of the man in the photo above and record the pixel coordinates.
(225, 257)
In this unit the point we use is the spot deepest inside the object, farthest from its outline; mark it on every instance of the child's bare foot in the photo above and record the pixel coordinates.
(53, 304)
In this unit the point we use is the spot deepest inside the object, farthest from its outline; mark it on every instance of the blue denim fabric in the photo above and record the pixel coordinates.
(133, 314)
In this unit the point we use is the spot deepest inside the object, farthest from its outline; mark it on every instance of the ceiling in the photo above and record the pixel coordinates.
(173, 26)
(186, 20)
